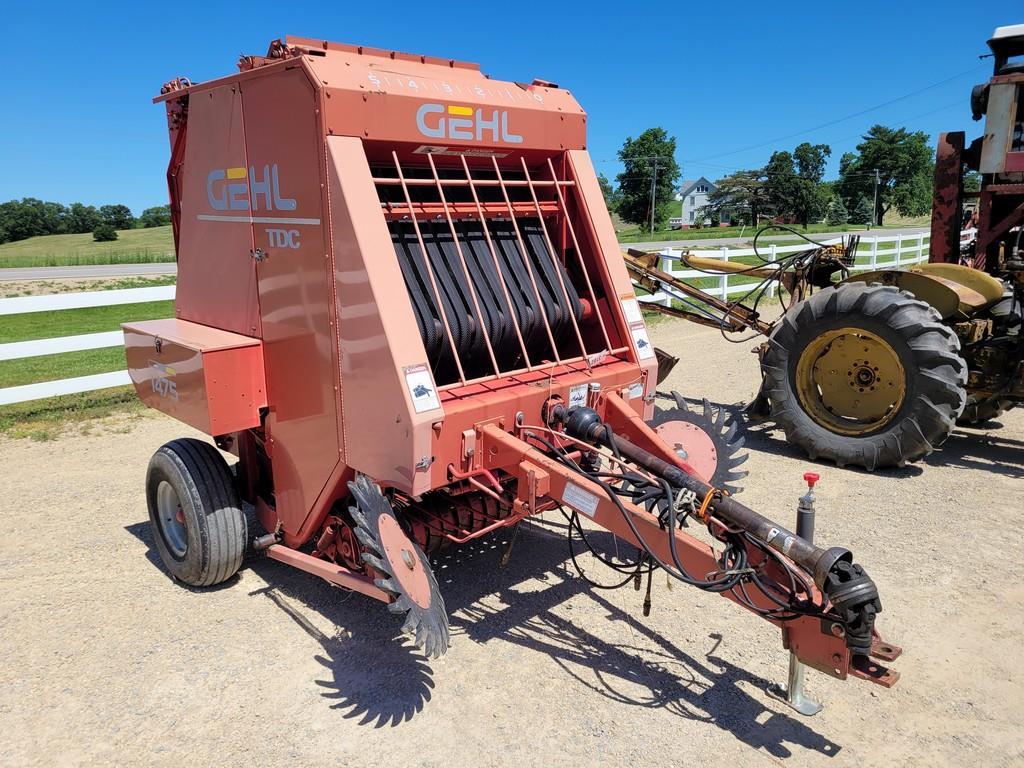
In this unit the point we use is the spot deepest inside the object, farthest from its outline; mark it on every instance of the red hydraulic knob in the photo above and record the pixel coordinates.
(811, 478)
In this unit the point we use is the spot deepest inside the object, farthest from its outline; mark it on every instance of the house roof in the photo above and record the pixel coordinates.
(689, 184)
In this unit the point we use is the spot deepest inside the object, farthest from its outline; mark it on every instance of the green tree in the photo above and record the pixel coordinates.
(160, 216)
(743, 195)
(811, 194)
(836, 214)
(117, 216)
(903, 161)
(104, 232)
(972, 181)
(861, 212)
(611, 196)
(781, 184)
(82, 218)
(648, 158)
(25, 218)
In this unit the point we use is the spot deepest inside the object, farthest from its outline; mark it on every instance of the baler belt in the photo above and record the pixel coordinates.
(454, 294)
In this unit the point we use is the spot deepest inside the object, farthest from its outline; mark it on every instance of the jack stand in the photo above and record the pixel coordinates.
(793, 694)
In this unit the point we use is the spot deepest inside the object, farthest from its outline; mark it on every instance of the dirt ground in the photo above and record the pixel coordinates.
(107, 661)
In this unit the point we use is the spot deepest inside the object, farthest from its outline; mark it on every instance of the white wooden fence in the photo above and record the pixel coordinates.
(18, 350)
(882, 252)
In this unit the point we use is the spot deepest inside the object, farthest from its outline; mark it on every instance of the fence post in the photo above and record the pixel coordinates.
(874, 253)
(725, 277)
(773, 284)
(920, 247)
(665, 265)
(899, 247)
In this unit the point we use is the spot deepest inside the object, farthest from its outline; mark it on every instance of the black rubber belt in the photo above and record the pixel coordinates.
(496, 313)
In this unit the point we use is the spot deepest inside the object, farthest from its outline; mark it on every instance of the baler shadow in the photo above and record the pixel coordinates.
(372, 673)
(143, 531)
(375, 675)
(656, 674)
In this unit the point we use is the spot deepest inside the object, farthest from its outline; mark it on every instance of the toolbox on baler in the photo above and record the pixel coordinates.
(206, 377)
(450, 343)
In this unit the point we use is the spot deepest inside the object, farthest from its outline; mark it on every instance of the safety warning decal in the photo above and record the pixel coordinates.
(421, 388)
(644, 348)
(580, 500)
(631, 309)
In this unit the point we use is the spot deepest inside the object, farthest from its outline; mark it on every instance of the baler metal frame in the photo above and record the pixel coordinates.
(363, 445)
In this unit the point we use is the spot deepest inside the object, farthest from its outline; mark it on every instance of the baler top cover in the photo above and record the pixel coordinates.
(403, 98)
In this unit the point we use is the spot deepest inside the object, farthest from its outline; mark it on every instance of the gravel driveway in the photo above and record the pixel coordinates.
(106, 661)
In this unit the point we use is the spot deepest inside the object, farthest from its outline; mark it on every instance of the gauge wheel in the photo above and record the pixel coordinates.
(198, 524)
(864, 375)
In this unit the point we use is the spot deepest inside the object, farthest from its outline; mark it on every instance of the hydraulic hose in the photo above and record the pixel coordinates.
(852, 593)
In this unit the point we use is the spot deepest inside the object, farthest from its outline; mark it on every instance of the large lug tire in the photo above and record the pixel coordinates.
(198, 524)
(864, 375)
(977, 412)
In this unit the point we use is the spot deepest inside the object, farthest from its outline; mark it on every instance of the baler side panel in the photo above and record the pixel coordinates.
(379, 344)
(599, 226)
(216, 272)
(284, 149)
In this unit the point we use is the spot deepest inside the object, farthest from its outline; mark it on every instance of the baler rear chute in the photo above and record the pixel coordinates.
(401, 304)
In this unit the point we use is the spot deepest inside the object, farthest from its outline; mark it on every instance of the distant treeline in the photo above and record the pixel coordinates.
(29, 217)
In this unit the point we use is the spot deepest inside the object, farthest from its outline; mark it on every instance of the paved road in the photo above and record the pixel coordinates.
(719, 241)
(86, 272)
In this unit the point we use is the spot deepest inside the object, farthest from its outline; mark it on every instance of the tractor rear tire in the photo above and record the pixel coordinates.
(198, 524)
(864, 375)
(977, 412)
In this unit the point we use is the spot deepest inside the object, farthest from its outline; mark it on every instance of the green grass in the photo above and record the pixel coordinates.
(46, 419)
(14, 373)
(133, 246)
(43, 419)
(71, 322)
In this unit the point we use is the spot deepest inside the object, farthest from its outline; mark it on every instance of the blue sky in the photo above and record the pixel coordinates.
(78, 124)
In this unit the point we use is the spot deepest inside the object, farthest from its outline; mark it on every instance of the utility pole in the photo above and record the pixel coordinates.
(654, 182)
(874, 208)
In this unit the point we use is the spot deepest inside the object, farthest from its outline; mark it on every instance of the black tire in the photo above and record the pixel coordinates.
(204, 542)
(980, 411)
(928, 350)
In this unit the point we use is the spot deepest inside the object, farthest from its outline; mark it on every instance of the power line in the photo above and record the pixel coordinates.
(847, 117)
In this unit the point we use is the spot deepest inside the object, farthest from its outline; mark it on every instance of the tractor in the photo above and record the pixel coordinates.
(874, 369)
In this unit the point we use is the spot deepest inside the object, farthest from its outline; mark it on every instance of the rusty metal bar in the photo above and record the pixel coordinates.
(465, 269)
(526, 262)
(462, 210)
(328, 571)
(475, 182)
(579, 255)
(554, 262)
(430, 272)
(584, 359)
(497, 265)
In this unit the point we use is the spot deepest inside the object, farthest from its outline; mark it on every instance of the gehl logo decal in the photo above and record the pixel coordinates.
(438, 121)
(231, 189)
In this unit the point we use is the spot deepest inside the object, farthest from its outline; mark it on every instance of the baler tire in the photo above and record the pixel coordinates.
(977, 412)
(928, 351)
(215, 527)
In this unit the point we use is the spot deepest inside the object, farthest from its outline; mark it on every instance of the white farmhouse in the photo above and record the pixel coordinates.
(694, 195)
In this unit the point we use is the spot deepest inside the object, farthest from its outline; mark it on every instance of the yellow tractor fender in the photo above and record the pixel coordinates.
(949, 288)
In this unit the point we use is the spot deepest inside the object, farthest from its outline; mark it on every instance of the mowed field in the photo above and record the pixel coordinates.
(107, 661)
(133, 246)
